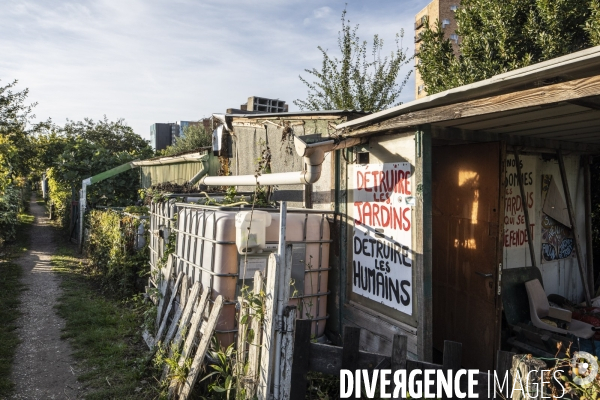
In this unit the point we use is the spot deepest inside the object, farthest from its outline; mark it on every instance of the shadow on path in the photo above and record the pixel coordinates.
(43, 367)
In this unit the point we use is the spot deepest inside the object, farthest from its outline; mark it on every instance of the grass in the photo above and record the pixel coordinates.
(105, 335)
(10, 293)
(10, 290)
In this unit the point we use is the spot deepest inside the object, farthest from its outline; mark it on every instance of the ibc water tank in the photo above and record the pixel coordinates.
(207, 251)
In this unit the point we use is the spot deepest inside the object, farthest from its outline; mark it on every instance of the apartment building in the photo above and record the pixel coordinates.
(437, 10)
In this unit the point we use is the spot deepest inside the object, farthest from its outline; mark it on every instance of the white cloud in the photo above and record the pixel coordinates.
(159, 61)
(322, 12)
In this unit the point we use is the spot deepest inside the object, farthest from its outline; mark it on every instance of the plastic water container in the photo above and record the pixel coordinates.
(250, 231)
(207, 251)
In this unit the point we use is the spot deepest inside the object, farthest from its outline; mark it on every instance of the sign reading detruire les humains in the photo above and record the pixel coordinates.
(381, 243)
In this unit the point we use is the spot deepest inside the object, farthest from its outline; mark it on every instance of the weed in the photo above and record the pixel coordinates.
(10, 293)
(169, 357)
(105, 335)
(222, 378)
(10, 289)
(113, 254)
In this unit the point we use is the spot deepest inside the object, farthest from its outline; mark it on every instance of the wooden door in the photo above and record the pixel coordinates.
(467, 211)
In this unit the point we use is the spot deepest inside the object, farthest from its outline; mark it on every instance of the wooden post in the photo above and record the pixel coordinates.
(587, 187)
(399, 350)
(287, 352)
(452, 355)
(282, 300)
(572, 219)
(398, 359)
(254, 347)
(351, 347)
(283, 293)
(452, 360)
(301, 359)
(525, 209)
(423, 247)
(268, 342)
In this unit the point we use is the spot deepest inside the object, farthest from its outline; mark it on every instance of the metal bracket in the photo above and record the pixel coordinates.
(499, 279)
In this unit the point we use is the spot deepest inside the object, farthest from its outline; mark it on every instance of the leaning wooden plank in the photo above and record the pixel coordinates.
(184, 290)
(178, 312)
(188, 312)
(174, 324)
(254, 344)
(268, 335)
(183, 323)
(194, 326)
(242, 339)
(195, 331)
(165, 319)
(162, 286)
(202, 349)
(148, 338)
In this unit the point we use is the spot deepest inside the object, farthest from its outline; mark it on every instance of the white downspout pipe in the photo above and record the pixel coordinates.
(202, 172)
(313, 155)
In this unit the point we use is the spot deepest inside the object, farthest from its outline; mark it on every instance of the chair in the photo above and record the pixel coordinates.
(540, 308)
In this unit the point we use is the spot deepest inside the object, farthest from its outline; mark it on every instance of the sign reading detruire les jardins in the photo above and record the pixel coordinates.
(381, 243)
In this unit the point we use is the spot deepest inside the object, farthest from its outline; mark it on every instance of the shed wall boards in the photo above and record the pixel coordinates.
(559, 267)
(253, 144)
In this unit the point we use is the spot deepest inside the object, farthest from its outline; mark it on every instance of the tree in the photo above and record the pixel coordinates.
(15, 148)
(353, 82)
(194, 138)
(113, 135)
(499, 36)
(83, 159)
(15, 131)
(85, 148)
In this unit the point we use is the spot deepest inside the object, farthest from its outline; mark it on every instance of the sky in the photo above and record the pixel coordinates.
(164, 61)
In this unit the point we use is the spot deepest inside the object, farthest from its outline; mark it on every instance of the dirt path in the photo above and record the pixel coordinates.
(43, 368)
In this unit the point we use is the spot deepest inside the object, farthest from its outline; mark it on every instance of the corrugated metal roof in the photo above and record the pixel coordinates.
(572, 66)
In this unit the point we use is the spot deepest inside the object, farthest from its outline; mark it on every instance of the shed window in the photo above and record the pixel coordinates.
(453, 7)
(445, 23)
(454, 37)
(363, 157)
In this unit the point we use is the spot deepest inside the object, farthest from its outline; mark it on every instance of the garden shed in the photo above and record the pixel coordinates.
(436, 198)
(264, 142)
(461, 186)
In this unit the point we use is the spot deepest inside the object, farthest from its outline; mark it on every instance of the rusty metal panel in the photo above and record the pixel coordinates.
(466, 193)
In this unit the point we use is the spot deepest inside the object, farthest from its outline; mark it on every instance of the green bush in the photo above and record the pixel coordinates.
(111, 248)
(59, 198)
(10, 202)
